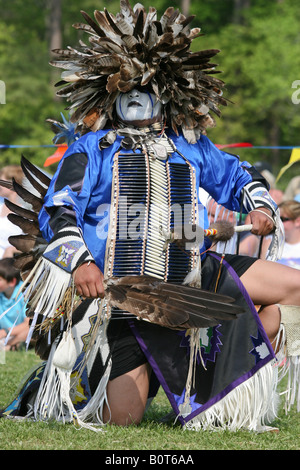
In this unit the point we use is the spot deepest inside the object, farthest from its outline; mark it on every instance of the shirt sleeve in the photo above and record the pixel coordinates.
(70, 188)
(222, 174)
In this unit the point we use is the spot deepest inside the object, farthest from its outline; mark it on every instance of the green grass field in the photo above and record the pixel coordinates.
(150, 435)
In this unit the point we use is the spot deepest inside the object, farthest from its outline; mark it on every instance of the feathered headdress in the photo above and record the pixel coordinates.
(133, 49)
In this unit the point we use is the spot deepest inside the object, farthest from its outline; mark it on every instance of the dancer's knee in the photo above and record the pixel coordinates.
(127, 397)
(270, 318)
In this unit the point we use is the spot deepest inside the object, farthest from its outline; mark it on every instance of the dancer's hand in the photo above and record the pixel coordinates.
(88, 280)
(262, 222)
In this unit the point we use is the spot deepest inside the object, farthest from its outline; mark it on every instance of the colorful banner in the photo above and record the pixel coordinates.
(295, 157)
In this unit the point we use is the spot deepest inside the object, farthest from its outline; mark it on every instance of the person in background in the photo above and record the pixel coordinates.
(290, 216)
(293, 189)
(14, 323)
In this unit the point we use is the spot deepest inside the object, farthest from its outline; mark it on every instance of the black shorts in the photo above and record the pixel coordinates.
(125, 350)
(240, 263)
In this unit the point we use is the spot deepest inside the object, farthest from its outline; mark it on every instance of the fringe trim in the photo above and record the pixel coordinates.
(195, 350)
(288, 366)
(93, 411)
(249, 406)
(58, 386)
(193, 278)
(44, 291)
(53, 400)
(45, 287)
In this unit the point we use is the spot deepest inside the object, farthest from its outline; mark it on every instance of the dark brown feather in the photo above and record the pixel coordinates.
(93, 24)
(24, 262)
(39, 188)
(112, 23)
(23, 243)
(104, 26)
(28, 243)
(139, 25)
(27, 226)
(19, 210)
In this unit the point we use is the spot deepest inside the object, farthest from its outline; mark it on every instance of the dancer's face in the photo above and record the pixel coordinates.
(137, 106)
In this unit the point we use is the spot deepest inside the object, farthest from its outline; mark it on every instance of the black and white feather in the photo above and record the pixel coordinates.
(30, 244)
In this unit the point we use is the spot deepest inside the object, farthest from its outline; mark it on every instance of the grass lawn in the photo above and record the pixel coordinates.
(150, 435)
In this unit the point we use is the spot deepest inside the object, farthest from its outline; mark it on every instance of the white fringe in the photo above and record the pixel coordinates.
(288, 366)
(53, 400)
(93, 411)
(45, 287)
(250, 406)
(44, 290)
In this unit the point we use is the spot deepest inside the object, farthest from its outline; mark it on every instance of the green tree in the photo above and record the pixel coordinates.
(260, 60)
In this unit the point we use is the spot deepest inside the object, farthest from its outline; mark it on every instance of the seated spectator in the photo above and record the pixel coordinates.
(14, 323)
(277, 195)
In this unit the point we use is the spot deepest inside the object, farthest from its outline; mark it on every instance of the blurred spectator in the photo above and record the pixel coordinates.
(217, 212)
(293, 189)
(250, 245)
(290, 216)
(8, 173)
(277, 195)
(14, 322)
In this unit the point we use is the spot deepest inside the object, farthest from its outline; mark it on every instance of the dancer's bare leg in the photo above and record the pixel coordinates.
(127, 397)
(268, 284)
(272, 283)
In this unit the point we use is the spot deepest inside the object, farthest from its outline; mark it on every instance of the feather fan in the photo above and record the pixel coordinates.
(170, 305)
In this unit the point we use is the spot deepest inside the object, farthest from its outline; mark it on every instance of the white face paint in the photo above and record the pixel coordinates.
(137, 106)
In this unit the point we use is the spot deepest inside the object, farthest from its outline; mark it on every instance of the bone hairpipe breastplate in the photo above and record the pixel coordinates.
(150, 195)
